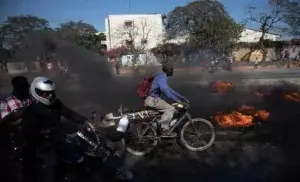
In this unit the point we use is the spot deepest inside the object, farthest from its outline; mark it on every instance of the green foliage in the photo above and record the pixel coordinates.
(168, 49)
(290, 10)
(91, 42)
(14, 31)
(82, 34)
(16, 28)
(206, 23)
(71, 30)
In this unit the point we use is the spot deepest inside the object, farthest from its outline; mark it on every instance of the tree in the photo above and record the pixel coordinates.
(16, 28)
(135, 37)
(82, 34)
(116, 52)
(166, 50)
(290, 10)
(207, 25)
(91, 42)
(268, 20)
(71, 30)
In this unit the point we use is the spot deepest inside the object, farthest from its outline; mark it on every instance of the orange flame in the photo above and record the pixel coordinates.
(234, 119)
(223, 86)
(243, 117)
(292, 96)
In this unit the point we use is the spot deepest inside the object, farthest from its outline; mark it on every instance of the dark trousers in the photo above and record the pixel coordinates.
(37, 166)
(10, 169)
(44, 166)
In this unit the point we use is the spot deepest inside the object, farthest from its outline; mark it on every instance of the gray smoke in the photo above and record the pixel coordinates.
(91, 84)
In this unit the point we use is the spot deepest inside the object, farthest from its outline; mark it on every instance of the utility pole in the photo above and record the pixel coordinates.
(129, 6)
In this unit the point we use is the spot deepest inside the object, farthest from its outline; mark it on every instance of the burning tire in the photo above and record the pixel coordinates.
(141, 139)
(197, 122)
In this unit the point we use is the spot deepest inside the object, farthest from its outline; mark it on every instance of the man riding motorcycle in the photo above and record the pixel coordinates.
(155, 100)
(42, 124)
(42, 120)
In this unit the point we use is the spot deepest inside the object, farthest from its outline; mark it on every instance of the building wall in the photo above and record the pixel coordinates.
(17, 67)
(242, 54)
(249, 35)
(147, 26)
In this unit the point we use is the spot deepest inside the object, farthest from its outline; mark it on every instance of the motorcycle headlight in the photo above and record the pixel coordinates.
(123, 124)
(179, 105)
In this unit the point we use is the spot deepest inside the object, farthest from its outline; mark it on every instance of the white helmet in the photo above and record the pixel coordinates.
(43, 90)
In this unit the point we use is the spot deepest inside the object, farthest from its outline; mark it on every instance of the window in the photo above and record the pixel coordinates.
(128, 23)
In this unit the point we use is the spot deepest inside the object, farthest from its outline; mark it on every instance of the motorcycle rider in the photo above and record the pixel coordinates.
(42, 123)
(160, 89)
(41, 120)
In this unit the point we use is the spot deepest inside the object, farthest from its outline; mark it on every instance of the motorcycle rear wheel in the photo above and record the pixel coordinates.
(143, 135)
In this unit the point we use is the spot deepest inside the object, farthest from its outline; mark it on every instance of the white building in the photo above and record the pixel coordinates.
(144, 30)
(250, 35)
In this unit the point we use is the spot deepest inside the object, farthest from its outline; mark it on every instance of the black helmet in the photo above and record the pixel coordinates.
(168, 69)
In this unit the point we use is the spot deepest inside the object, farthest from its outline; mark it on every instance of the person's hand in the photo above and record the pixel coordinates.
(186, 101)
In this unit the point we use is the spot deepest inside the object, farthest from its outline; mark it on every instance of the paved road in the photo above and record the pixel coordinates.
(237, 156)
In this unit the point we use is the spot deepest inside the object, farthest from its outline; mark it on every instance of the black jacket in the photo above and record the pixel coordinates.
(40, 120)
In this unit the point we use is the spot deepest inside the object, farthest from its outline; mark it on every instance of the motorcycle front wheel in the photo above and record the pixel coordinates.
(141, 138)
(193, 139)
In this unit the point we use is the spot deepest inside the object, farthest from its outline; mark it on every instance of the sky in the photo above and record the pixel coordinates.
(95, 11)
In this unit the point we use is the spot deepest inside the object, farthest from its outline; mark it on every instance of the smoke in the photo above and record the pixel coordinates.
(91, 83)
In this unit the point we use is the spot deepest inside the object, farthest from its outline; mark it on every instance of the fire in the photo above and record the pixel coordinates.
(262, 114)
(223, 86)
(234, 119)
(292, 96)
(243, 117)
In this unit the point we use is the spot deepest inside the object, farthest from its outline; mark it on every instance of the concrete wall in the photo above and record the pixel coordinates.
(242, 54)
(249, 35)
(144, 59)
(17, 67)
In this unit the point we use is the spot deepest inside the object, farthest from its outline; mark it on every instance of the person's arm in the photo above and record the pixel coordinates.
(71, 115)
(165, 89)
(3, 109)
(176, 94)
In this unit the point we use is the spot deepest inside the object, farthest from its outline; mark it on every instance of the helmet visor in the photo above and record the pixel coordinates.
(49, 95)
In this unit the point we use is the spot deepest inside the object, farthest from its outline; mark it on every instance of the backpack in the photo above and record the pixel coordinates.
(143, 88)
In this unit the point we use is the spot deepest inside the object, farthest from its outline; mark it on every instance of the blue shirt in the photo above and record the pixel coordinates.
(160, 87)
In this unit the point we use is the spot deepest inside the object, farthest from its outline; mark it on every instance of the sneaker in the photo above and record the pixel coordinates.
(123, 174)
(168, 134)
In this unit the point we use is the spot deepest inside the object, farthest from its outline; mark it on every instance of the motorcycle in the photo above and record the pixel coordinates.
(86, 153)
(143, 132)
(82, 155)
